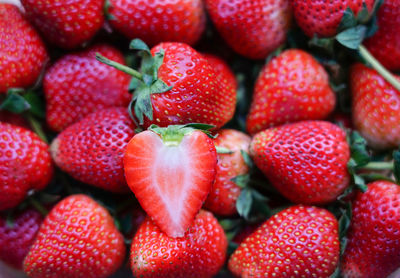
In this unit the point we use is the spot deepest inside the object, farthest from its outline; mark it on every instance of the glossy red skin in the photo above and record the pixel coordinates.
(25, 164)
(197, 95)
(200, 253)
(300, 241)
(91, 150)
(159, 21)
(292, 87)
(305, 161)
(322, 18)
(385, 44)
(67, 24)
(253, 28)
(78, 84)
(22, 52)
(222, 70)
(78, 238)
(17, 238)
(373, 249)
(224, 193)
(375, 108)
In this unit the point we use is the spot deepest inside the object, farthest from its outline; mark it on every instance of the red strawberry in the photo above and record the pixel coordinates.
(224, 193)
(305, 161)
(171, 171)
(68, 23)
(200, 253)
(17, 237)
(322, 18)
(159, 21)
(91, 150)
(198, 94)
(299, 242)
(375, 108)
(253, 28)
(222, 70)
(245, 232)
(290, 88)
(373, 248)
(25, 164)
(385, 44)
(77, 239)
(22, 52)
(14, 119)
(78, 85)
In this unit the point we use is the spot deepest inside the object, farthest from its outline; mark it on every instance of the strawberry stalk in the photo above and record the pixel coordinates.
(375, 165)
(119, 66)
(38, 206)
(389, 77)
(37, 128)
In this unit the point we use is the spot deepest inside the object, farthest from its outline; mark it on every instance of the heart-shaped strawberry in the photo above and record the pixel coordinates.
(171, 171)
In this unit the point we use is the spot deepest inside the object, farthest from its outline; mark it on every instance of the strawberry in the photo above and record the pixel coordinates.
(17, 237)
(222, 70)
(322, 18)
(199, 253)
(300, 241)
(253, 28)
(25, 164)
(385, 44)
(14, 119)
(78, 238)
(22, 52)
(158, 21)
(171, 171)
(91, 150)
(177, 85)
(373, 248)
(78, 85)
(67, 24)
(224, 193)
(375, 107)
(305, 161)
(291, 87)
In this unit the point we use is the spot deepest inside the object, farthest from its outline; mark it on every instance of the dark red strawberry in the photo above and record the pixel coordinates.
(199, 253)
(17, 236)
(223, 71)
(171, 171)
(322, 18)
(22, 52)
(91, 150)
(25, 164)
(305, 161)
(14, 119)
(299, 241)
(68, 23)
(224, 193)
(290, 88)
(245, 232)
(197, 94)
(375, 108)
(78, 84)
(253, 28)
(78, 238)
(373, 249)
(385, 44)
(159, 20)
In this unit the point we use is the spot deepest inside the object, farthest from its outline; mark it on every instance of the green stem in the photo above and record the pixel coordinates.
(119, 66)
(389, 77)
(378, 166)
(37, 128)
(38, 206)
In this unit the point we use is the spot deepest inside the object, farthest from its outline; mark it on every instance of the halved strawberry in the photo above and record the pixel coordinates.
(171, 171)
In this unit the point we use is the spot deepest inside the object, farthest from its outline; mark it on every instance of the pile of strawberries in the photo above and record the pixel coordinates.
(246, 138)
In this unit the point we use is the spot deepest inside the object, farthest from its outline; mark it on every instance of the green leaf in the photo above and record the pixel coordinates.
(336, 273)
(370, 177)
(143, 105)
(241, 180)
(232, 246)
(134, 84)
(323, 43)
(352, 38)
(275, 53)
(10, 220)
(345, 220)
(260, 204)
(244, 202)
(222, 150)
(360, 183)
(363, 15)
(138, 44)
(396, 171)
(37, 107)
(108, 15)
(358, 149)
(159, 87)
(349, 20)
(229, 224)
(15, 104)
(200, 126)
(247, 159)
